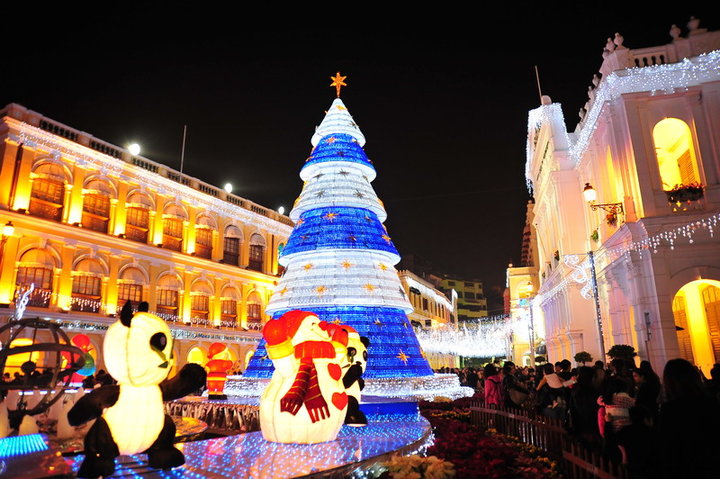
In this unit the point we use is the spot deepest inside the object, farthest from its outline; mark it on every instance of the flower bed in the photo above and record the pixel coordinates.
(473, 452)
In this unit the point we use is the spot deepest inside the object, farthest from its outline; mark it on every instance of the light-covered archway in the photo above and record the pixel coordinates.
(696, 309)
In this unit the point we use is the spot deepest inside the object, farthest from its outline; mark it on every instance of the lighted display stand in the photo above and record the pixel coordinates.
(31, 457)
(249, 455)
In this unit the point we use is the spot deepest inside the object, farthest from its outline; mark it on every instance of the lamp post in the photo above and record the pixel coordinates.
(613, 209)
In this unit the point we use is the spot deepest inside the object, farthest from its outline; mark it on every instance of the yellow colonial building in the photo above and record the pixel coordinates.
(92, 226)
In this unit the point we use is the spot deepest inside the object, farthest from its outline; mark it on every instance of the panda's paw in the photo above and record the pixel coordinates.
(97, 467)
(166, 458)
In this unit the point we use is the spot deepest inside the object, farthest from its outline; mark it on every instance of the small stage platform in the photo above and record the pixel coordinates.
(398, 430)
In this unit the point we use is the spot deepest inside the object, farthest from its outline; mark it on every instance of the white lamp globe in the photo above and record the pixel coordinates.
(134, 149)
(228, 187)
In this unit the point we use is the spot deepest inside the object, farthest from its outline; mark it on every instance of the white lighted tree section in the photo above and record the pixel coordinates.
(340, 260)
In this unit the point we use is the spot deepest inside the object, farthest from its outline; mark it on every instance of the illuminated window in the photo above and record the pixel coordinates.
(172, 233)
(254, 311)
(257, 252)
(231, 246)
(96, 212)
(166, 296)
(47, 196)
(41, 277)
(203, 242)
(228, 308)
(711, 299)
(200, 306)
(138, 223)
(675, 153)
(86, 292)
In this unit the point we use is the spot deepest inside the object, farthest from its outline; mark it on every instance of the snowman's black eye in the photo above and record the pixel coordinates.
(158, 341)
(351, 352)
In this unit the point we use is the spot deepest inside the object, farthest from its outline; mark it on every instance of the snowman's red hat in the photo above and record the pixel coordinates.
(279, 332)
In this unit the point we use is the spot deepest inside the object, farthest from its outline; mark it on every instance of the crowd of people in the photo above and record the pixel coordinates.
(658, 427)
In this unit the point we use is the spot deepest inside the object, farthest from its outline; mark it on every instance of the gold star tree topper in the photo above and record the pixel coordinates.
(338, 81)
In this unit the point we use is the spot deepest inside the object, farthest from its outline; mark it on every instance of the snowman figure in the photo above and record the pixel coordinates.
(305, 401)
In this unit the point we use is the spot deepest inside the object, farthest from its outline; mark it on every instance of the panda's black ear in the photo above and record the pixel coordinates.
(365, 341)
(126, 313)
(143, 307)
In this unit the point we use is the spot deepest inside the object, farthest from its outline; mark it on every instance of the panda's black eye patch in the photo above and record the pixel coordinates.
(365, 356)
(351, 351)
(158, 341)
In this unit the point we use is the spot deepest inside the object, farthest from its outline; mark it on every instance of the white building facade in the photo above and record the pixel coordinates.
(648, 148)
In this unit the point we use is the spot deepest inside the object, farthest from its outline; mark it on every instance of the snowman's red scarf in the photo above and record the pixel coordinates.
(306, 388)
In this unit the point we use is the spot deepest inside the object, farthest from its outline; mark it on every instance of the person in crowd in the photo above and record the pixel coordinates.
(583, 409)
(647, 389)
(713, 385)
(636, 446)
(493, 387)
(472, 378)
(688, 424)
(615, 404)
(513, 389)
(550, 395)
(599, 378)
(565, 373)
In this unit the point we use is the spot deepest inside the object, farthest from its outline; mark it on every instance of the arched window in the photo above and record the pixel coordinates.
(675, 154)
(711, 300)
(681, 327)
(48, 191)
(137, 220)
(254, 311)
(87, 286)
(231, 245)
(228, 307)
(36, 267)
(257, 252)
(204, 237)
(200, 306)
(130, 287)
(96, 205)
(173, 227)
(167, 297)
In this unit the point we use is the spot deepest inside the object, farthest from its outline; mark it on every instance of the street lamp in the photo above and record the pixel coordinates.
(612, 209)
(134, 149)
(228, 187)
(281, 210)
(527, 290)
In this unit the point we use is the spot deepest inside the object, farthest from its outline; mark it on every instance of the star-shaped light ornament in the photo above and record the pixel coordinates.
(358, 194)
(283, 291)
(330, 216)
(337, 320)
(309, 266)
(386, 238)
(320, 290)
(331, 140)
(370, 287)
(378, 322)
(352, 238)
(347, 264)
(341, 108)
(382, 266)
(403, 357)
(343, 172)
(299, 222)
(320, 193)
(338, 81)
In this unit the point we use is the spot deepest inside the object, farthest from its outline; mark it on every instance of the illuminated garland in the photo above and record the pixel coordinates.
(655, 79)
(580, 272)
(487, 339)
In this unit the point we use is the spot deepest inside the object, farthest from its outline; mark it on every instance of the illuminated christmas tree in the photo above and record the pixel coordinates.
(339, 259)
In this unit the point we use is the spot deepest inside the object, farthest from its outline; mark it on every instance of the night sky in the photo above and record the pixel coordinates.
(442, 100)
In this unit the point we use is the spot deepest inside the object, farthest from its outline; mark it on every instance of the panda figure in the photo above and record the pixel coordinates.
(130, 415)
(357, 357)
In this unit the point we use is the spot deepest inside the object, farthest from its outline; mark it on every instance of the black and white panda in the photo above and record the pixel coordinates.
(357, 357)
(130, 415)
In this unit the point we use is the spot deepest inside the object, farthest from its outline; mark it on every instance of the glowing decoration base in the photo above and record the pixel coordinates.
(411, 389)
(355, 451)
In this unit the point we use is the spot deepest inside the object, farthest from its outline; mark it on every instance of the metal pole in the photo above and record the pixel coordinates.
(182, 152)
(596, 297)
(532, 334)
